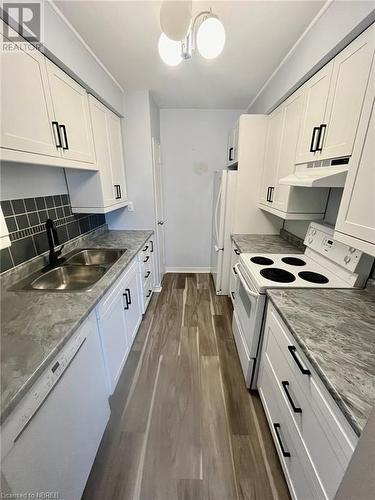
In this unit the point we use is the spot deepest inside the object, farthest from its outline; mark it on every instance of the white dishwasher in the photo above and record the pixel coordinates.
(50, 440)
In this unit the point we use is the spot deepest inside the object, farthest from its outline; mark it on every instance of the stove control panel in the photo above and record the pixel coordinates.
(319, 238)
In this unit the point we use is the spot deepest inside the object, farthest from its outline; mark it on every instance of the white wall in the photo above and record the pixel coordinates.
(336, 28)
(193, 146)
(28, 181)
(137, 129)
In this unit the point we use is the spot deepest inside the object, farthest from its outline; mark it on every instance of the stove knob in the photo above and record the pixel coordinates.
(351, 249)
(310, 240)
(313, 232)
(347, 259)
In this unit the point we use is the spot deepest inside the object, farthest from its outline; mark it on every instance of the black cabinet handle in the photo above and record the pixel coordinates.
(232, 293)
(234, 270)
(283, 451)
(285, 385)
(62, 127)
(237, 252)
(56, 131)
(146, 259)
(272, 188)
(320, 140)
(126, 300)
(149, 293)
(129, 297)
(145, 248)
(119, 192)
(152, 246)
(230, 154)
(292, 351)
(268, 194)
(147, 274)
(315, 130)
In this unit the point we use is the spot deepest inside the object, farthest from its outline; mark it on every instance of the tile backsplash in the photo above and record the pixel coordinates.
(25, 219)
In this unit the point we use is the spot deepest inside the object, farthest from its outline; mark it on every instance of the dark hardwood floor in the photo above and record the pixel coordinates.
(183, 425)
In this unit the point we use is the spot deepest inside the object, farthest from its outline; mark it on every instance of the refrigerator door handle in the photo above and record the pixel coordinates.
(216, 212)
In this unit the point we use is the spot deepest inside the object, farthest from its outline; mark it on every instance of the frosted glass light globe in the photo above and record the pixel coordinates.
(211, 38)
(169, 50)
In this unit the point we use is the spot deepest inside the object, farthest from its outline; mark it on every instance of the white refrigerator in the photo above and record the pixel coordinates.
(223, 207)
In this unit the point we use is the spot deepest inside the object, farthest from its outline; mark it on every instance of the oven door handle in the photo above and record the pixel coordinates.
(244, 284)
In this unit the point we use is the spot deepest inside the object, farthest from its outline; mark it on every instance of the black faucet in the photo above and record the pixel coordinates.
(52, 241)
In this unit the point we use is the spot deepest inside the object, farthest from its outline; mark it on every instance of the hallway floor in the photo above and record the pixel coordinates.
(183, 425)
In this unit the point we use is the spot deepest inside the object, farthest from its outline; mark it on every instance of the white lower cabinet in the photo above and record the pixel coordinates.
(313, 438)
(119, 314)
(233, 273)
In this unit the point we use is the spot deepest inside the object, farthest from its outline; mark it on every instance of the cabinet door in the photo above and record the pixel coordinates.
(291, 125)
(351, 71)
(113, 335)
(98, 115)
(26, 106)
(133, 315)
(70, 103)
(316, 95)
(356, 216)
(271, 157)
(117, 156)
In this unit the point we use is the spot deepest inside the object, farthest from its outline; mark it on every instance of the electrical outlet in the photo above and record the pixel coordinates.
(130, 206)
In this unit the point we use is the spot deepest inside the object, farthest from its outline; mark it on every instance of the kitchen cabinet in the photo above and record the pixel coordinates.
(44, 115)
(50, 440)
(102, 191)
(334, 101)
(312, 437)
(284, 201)
(147, 266)
(4, 233)
(119, 315)
(355, 223)
(71, 109)
(232, 149)
(26, 105)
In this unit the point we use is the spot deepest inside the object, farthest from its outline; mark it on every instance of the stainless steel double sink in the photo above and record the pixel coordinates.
(81, 269)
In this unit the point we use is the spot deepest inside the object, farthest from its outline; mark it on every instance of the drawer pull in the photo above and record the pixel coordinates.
(145, 248)
(146, 259)
(283, 451)
(232, 293)
(292, 351)
(149, 293)
(237, 252)
(285, 385)
(234, 270)
(147, 274)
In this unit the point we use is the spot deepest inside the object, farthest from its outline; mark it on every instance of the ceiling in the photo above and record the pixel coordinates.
(124, 35)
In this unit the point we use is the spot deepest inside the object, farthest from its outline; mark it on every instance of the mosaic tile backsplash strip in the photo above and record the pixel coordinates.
(25, 219)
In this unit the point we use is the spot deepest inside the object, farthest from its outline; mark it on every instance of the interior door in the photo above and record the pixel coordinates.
(117, 156)
(316, 95)
(271, 157)
(351, 72)
(159, 212)
(70, 103)
(26, 105)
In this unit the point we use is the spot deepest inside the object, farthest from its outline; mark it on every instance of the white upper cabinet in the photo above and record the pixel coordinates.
(334, 102)
(271, 157)
(102, 191)
(26, 107)
(70, 103)
(316, 94)
(355, 223)
(350, 77)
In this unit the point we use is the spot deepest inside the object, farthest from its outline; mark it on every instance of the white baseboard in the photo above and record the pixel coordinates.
(187, 269)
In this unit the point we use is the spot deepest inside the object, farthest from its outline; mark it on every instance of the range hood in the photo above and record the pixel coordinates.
(319, 174)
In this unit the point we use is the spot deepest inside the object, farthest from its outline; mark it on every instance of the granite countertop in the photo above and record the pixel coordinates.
(336, 331)
(264, 243)
(35, 325)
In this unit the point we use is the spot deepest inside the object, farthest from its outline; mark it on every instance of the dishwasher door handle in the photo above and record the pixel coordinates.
(48, 393)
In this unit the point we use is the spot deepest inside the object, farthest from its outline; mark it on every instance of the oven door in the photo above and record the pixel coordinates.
(249, 307)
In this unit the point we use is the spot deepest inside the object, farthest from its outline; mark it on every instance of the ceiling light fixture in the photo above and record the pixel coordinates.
(207, 34)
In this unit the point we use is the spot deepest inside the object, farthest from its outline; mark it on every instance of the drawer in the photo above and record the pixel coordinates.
(297, 468)
(313, 412)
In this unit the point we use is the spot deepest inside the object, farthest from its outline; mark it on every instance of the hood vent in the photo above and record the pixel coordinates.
(323, 173)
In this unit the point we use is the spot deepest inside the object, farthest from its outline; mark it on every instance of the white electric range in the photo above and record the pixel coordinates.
(326, 263)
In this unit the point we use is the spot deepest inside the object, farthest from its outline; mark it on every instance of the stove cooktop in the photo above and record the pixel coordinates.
(287, 271)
